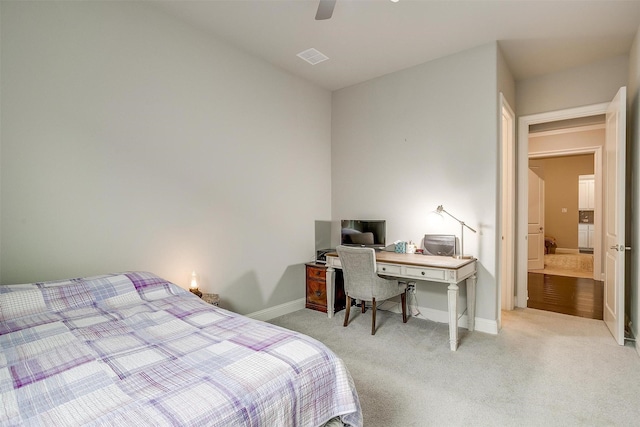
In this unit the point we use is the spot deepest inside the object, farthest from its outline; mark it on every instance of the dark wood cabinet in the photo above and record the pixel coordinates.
(317, 288)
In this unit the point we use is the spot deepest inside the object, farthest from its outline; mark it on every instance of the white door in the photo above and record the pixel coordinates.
(535, 236)
(614, 215)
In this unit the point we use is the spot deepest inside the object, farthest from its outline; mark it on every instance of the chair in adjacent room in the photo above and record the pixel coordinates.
(362, 282)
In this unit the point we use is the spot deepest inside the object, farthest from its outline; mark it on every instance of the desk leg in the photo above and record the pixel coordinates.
(453, 316)
(471, 302)
(331, 287)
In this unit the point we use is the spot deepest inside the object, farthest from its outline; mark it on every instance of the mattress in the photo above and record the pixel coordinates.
(133, 348)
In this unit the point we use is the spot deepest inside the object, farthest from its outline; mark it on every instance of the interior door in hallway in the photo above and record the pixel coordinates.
(535, 235)
(614, 215)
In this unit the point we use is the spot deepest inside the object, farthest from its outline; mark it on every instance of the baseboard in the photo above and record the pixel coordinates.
(278, 310)
(482, 325)
(634, 336)
(487, 326)
(567, 251)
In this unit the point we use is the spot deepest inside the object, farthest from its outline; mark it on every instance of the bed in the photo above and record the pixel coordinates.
(134, 349)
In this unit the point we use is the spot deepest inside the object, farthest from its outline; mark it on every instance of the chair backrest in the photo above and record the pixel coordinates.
(359, 269)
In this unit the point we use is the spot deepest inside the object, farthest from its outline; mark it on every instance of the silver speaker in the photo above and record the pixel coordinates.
(439, 244)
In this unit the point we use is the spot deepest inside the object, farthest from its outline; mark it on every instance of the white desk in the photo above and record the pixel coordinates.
(421, 267)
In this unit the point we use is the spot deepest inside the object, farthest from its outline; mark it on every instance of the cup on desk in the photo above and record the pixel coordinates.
(411, 249)
(401, 247)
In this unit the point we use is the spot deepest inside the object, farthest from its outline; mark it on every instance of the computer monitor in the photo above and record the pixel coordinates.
(366, 233)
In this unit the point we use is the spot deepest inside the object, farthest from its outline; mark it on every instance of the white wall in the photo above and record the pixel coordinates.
(133, 141)
(506, 83)
(412, 140)
(633, 129)
(576, 87)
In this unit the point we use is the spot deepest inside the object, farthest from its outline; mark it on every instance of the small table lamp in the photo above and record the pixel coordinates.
(193, 287)
(461, 255)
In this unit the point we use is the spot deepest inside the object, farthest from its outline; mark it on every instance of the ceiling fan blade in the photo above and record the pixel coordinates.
(325, 9)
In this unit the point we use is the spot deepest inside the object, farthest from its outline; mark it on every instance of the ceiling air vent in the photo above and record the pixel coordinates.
(313, 56)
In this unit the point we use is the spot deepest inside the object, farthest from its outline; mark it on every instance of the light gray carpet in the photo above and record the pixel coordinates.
(542, 369)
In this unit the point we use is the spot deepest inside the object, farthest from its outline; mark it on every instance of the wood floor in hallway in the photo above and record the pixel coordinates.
(576, 296)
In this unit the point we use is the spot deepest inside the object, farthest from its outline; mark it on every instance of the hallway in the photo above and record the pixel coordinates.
(576, 296)
(566, 285)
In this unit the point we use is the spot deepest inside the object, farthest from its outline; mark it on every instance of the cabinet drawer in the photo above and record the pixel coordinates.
(316, 273)
(425, 273)
(317, 293)
(388, 269)
(316, 288)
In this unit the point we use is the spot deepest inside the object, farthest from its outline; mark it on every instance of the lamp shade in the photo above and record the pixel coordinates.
(194, 281)
(193, 284)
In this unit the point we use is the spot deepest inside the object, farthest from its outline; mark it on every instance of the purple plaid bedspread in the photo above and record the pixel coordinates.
(134, 349)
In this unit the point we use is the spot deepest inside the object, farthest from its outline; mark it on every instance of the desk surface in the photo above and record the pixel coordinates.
(418, 260)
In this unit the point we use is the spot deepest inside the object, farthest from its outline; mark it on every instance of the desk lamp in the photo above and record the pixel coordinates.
(461, 255)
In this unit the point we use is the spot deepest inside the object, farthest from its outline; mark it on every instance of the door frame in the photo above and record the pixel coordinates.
(597, 152)
(522, 180)
(506, 269)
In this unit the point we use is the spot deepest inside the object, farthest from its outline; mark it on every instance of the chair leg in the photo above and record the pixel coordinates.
(373, 317)
(403, 299)
(346, 312)
(363, 306)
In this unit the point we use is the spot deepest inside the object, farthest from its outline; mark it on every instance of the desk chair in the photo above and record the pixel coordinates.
(362, 282)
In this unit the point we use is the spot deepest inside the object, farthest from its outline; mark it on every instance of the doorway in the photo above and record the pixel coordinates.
(558, 119)
(612, 234)
(568, 214)
(564, 281)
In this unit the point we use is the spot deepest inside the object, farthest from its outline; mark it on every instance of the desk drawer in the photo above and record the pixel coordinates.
(334, 261)
(389, 269)
(316, 273)
(425, 273)
(317, 295)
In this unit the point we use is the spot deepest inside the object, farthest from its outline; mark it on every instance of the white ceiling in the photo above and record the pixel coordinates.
(368, 38)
